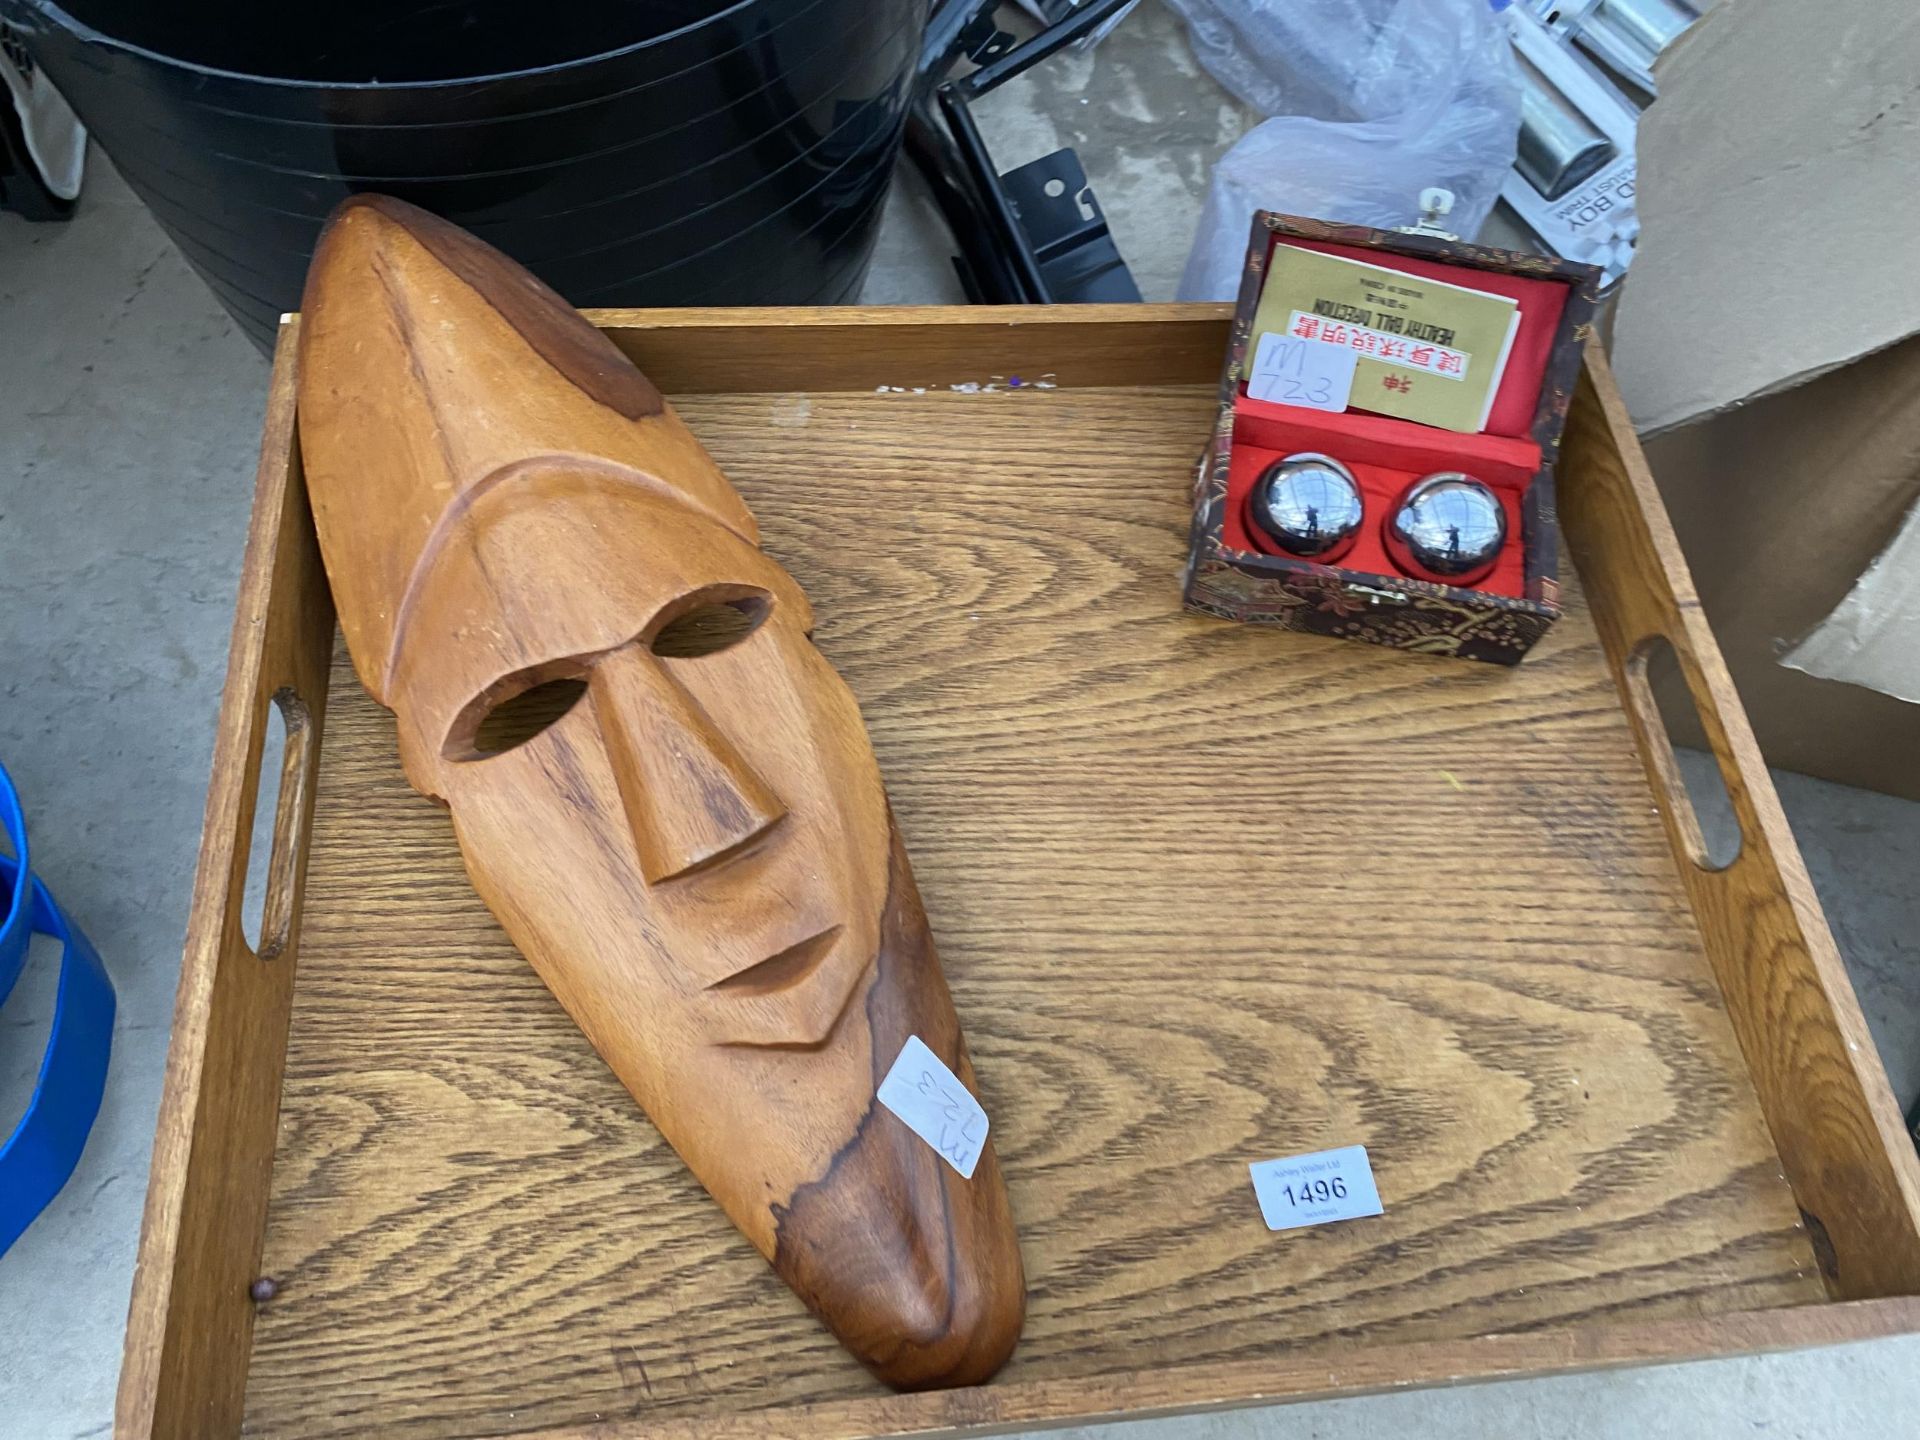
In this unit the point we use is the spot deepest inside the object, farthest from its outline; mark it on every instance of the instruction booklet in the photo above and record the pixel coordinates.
(1425, 350)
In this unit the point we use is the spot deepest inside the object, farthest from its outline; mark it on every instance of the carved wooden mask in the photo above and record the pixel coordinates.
(659, 785)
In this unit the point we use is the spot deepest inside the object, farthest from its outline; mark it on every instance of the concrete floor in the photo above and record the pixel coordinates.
(129, 420)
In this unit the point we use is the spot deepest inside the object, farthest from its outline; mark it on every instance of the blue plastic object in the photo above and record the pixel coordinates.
(37, 1158)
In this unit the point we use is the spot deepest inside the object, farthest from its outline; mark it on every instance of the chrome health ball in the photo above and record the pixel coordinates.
(1447, 527)
(1309, 506)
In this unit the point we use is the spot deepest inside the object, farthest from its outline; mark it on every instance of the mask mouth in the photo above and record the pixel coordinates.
(782, 971)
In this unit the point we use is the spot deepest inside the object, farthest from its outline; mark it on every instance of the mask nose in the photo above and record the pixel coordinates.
(691, 798)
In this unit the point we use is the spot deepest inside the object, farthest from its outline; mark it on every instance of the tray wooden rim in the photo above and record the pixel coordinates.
(1833, 1119)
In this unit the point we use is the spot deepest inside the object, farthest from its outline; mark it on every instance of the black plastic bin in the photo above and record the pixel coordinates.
(667, 153)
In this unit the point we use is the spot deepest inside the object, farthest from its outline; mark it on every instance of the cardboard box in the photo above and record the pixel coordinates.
(1782, 507)
(1763, 344)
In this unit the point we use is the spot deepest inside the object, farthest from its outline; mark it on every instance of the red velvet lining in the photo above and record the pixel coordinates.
(1385, 455)
(1540, 302)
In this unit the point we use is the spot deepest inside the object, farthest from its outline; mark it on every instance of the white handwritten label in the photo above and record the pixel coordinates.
(1288, 370)
(1316, 1189)
(929, 1097)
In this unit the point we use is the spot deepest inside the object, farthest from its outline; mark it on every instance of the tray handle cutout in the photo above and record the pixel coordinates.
(190, 1320)
(272, 857)
(1697, 792)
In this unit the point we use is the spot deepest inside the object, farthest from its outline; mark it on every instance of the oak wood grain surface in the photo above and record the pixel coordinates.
(1842, 1140)
(1205, 894)
(1284, 1373)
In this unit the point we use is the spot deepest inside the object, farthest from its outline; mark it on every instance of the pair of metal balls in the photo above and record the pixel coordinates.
(1447, 527)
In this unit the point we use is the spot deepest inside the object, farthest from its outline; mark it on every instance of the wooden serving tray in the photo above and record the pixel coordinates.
(1206, 893)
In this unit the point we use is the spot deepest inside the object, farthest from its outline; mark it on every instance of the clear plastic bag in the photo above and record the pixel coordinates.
(1373, 101)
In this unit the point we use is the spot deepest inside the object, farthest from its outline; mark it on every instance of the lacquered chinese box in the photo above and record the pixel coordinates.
(1235, 572)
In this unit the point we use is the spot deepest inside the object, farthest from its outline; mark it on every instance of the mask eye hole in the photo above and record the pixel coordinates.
(710, 627)
(517, 719)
